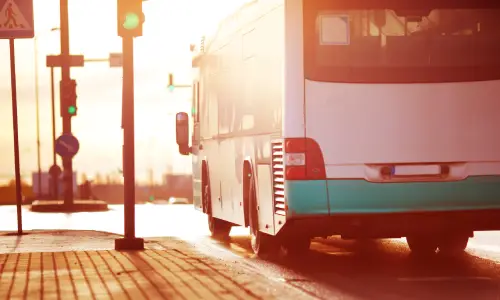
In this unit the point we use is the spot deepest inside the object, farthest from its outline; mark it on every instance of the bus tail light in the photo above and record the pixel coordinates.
(303, 160)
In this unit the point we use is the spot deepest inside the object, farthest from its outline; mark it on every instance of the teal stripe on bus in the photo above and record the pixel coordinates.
(306, 197)
(359, 196)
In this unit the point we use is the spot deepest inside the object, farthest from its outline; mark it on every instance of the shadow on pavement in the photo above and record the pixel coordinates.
(385, 269)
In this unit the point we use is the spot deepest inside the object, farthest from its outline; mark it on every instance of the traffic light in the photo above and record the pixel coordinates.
(68, 98)
(171, 85)
(130, 18)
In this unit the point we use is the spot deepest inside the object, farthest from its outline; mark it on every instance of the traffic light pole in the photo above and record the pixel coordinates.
(130, 242)
(67, 162)
(55, 179)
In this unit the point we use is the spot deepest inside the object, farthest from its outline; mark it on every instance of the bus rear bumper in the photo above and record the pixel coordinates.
(356, 208)
(395, 225)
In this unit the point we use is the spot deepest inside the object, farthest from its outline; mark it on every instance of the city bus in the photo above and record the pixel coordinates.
(365, 119)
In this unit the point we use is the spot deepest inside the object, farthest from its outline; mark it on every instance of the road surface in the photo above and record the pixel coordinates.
(334, 268)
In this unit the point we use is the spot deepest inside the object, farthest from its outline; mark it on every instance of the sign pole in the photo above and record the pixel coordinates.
(18, 23)
(17, 167)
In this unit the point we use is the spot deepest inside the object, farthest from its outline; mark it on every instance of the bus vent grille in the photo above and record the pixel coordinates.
(278, 177)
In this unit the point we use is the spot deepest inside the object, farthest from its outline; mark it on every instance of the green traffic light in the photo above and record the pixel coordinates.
(171, 88)
(132, 21)
(72, 110)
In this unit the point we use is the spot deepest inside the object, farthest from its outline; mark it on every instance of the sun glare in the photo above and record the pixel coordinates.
(169, 29)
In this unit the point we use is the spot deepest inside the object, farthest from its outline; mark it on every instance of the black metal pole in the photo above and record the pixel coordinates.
(37, 108)
(66, 121)
(128, 137)
(17, 167)
(55, 180)
(129, 242)
(53, 102)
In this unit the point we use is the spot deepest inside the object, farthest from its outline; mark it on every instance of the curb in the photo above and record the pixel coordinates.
(78, 206)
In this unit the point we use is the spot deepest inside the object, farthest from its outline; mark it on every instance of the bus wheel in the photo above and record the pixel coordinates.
(422, 245)
(263, 244)
(218, 228)
(453, 244)
(297, 246)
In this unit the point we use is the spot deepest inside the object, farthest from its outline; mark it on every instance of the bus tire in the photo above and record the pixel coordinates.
(453, 244)
(219, 229)
(422, 245)
(263, 244)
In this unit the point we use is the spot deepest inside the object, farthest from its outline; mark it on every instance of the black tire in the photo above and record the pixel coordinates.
(453, 244)
(263, 244)
(422, 245)
(219, 229)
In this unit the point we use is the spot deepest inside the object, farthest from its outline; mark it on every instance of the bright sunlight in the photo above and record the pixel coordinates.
(169, 29)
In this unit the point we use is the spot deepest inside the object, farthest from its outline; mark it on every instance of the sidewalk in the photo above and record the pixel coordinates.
(83, 265)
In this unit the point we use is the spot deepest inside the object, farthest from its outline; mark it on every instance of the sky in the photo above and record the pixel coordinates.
(170, 27)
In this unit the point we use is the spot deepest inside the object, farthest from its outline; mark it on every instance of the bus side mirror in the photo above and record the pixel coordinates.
(182, 132)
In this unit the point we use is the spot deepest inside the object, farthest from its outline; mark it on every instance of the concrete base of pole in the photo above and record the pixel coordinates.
(125, 244)
(58, 206)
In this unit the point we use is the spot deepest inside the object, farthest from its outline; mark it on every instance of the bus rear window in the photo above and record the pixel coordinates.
(404, 46)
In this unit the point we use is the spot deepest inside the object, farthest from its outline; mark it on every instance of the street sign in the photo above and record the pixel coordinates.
(16, 19)
(67, 145)
(56, 60)
(55, 171)
(115, 60)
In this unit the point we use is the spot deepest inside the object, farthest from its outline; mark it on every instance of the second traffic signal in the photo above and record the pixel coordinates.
(130, 18)
(171, 85)
(68, 98)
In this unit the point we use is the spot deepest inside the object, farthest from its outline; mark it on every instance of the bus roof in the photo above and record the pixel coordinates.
(206, 40)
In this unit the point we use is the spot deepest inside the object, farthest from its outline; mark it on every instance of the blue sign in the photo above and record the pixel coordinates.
(16, 19)
(67, 145)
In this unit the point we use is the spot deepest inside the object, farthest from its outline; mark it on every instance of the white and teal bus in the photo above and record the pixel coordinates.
(359, 118)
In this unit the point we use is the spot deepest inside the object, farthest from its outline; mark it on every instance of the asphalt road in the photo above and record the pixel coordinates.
(334, 269)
